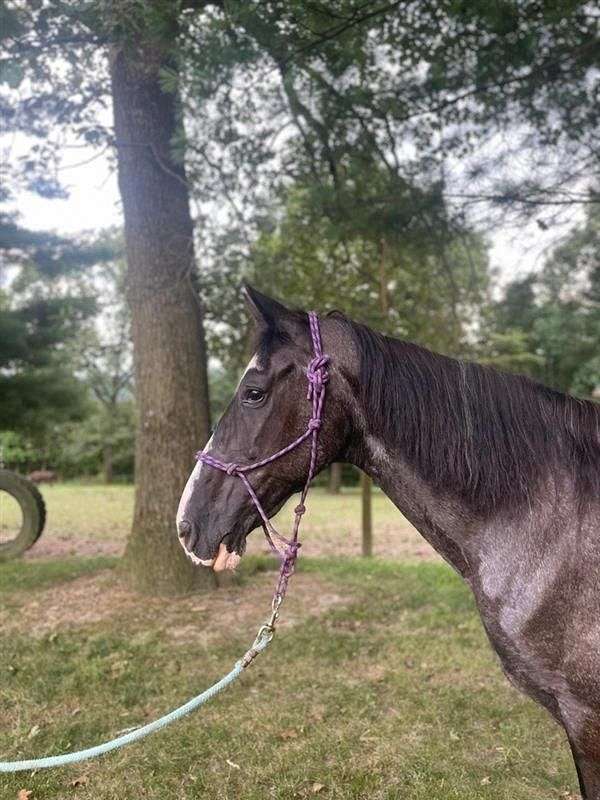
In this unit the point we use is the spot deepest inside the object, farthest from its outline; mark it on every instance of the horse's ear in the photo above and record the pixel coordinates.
(267, 313)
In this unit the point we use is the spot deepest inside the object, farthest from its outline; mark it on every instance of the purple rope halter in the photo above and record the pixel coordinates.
(318, 376)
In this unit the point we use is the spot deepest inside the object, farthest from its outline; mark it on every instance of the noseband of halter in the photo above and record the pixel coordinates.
(317, 376)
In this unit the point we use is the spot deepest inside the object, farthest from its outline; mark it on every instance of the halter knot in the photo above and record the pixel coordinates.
(317, 375)
(314, 424)
(290, 553)
(232, 469)
(300, 509)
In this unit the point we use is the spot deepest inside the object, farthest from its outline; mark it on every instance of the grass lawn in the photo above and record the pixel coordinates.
(380, 684)
(94, 519)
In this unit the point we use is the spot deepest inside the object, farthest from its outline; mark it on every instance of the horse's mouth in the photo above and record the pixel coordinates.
(228, 555)
(223, 560)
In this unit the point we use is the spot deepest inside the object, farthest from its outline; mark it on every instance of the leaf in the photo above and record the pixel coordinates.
(232, 764)
(80, 781)
(317, 788)
(486, 781)
(24, 794)
(289, 733)
(33, 732)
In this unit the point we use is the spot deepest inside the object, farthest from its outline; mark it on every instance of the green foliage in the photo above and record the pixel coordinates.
(284, 91)
(550, 322)
(45, 253)
(80, 448)
(77, 448)
(416, 285)
(37, 388)
(41, 313)
(34, 400)
(223, 383)
(52, 80)
(101, 355)
(325, 135)
(65, 355)
(279, 90)
(510, 350)
(15, 451)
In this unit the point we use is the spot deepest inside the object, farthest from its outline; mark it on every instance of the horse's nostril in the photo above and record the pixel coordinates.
(187, 535)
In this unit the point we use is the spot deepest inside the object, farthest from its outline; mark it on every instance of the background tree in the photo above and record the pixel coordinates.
(168, 337)
(75, 59)
(549, 322)
(39, 317)
(80, 447)
(403, 284)
(425, 95)
(102, 353)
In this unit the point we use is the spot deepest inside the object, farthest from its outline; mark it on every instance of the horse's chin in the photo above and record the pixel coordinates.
(228, 555)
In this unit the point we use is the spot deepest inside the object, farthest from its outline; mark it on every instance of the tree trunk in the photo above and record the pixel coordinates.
(107, 454)
(167, 328)
(367, 519)
(335, 478)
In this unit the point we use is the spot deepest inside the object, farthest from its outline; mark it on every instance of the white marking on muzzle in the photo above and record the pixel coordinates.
(224, 559)
(183, 504)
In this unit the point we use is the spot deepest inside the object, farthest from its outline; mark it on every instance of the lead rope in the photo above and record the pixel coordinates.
(261, 642)
(317, 376)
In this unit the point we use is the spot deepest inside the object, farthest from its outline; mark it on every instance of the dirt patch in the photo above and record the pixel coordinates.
(201, 618)
(65, 546)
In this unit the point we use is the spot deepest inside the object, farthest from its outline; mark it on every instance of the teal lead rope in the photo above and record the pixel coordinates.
(262, 641)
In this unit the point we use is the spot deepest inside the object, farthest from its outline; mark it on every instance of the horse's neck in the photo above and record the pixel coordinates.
(444, 521)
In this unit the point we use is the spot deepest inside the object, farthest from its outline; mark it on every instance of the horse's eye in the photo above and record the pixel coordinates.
(253, 396)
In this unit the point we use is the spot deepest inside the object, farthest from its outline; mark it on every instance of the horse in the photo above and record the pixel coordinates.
(499, 473)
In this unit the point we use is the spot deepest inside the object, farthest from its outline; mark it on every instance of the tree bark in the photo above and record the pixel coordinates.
(367, 518)
(335, 478)
(167, 326)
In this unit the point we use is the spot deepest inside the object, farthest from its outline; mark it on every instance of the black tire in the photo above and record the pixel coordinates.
(33, 509)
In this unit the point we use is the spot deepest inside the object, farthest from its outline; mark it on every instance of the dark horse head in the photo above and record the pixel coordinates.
(268, 411)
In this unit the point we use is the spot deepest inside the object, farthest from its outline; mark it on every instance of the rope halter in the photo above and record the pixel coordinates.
(318, 377)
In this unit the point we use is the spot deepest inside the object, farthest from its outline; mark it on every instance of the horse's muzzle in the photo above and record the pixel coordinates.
(210, 519)
(225, 558)
(188, 538)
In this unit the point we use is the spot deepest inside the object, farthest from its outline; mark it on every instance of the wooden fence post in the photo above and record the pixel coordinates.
(335, 478)
(367, 517)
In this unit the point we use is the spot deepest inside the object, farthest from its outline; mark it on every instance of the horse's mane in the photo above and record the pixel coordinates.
(469, 429)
